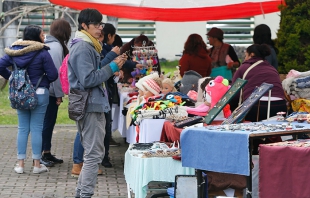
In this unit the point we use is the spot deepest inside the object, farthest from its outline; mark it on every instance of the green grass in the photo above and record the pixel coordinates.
(8, 116)
(169, 66)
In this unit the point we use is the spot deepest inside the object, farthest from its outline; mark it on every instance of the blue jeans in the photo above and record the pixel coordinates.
(49, 123)
(32, 121)
(78, 150)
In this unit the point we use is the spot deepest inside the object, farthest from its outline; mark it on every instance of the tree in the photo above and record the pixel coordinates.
(293, 40)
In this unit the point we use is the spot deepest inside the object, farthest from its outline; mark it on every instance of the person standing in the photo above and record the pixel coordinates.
(195, 56)
(222, 54)
(31, 52)
(60, 32)
(107, 45)
(262, 35)
(78, 150)
(85, 72)
(117, 41)
(128, 48)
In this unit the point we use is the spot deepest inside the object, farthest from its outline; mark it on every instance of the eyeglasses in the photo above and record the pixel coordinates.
(97, 24)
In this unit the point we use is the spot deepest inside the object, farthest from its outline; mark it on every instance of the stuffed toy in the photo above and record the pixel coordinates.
(214, 91)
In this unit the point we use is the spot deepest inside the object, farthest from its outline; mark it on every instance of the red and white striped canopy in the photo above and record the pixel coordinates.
(176, 10)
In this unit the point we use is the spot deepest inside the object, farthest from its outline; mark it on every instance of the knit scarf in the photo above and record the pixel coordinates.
(90, 39)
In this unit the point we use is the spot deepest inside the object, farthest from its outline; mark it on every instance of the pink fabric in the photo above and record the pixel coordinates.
(293, 73)
(201, 110)
(284, 171)
(63, 75)
(192, 95)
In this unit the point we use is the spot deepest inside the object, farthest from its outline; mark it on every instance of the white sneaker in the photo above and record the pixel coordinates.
(18, 169)
(42, 169)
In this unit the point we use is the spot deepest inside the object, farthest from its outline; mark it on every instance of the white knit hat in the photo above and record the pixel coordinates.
(141, 80)
(151, 86)
(139, 85)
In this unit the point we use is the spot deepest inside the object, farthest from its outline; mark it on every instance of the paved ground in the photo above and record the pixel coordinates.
(58, 182)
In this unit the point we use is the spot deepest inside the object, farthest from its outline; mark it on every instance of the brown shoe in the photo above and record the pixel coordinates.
(76, 170)
(100, 172)
(113, 143)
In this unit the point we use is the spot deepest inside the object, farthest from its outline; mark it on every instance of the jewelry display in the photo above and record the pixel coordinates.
(256, 127)
(188, 121)
(280, 116)
(240, 112)
(297, 116)
(225, 100)
(156, 149)
(298, 143)
(147, 56)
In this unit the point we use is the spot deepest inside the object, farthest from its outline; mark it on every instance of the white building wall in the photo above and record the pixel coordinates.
(171, 36)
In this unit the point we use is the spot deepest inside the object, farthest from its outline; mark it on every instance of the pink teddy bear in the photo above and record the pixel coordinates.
(214, 91)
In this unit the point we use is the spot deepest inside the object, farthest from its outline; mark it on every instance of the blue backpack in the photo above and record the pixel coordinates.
(22, 94)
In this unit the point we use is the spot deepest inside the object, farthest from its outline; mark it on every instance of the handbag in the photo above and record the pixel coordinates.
(77, 103)
(188, 121)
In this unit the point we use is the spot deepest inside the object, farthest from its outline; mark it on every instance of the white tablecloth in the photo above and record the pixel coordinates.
(140, 171)
(119, 121)
(150, 131)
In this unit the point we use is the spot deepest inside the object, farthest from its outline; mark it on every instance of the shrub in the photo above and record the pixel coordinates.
(293, 40)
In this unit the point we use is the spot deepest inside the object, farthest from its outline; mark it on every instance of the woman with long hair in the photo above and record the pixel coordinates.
(60, 32)
(262, 35)
(31, 52)
(195, 56)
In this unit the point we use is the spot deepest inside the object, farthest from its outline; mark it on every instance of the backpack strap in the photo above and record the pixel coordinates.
(15, 68)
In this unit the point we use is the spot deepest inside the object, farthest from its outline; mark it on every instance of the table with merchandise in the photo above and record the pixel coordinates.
(227, 148)
(146, 162)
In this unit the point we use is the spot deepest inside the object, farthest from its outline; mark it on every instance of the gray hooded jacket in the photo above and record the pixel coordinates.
(56, 52)
(86, 72)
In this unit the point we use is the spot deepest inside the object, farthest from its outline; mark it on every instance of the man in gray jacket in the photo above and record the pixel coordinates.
(86, 73)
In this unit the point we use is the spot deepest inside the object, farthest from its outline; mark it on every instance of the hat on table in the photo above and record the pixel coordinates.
(151, 86)
(216, 32)
(141, 80)
(189, 81)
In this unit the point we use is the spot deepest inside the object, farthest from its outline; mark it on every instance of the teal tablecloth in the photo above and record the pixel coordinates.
(140, 171)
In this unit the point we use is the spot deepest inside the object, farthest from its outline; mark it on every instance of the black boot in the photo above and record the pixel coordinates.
(106, 162)
(52, 158)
